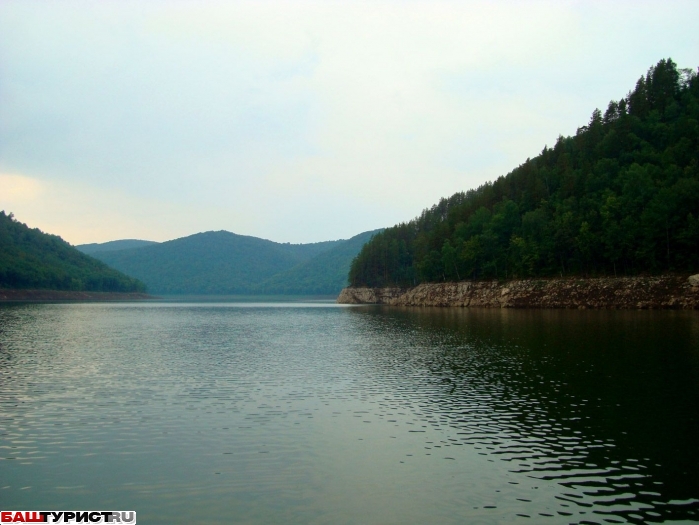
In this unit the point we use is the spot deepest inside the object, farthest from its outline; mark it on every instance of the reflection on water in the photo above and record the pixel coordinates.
(323, 414)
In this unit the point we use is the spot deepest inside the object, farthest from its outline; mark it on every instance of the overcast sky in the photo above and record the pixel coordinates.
(297, 121)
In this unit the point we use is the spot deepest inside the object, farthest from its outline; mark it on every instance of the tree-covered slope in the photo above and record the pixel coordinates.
(620, 197)
(111, 246)
(211, 262)
(30, 258)
(326, 273)
(305, 252)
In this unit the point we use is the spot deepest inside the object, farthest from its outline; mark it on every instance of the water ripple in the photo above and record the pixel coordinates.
(349, 415)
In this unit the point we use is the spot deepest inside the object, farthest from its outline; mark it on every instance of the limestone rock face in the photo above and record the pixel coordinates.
(607, 292)
(369, 295)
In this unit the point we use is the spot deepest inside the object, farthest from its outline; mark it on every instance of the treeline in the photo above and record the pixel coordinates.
(30, 258)
(621, 197)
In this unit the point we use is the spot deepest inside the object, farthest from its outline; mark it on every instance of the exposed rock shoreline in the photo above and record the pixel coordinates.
(65, 295)
(632, 293)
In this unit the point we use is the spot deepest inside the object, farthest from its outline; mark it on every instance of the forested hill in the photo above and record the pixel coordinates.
(621, 197)
(112, 246)
(223, 263)
(30, 258)
(326, 273)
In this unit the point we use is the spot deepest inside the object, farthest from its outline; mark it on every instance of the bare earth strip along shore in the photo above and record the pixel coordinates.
(663, 292)
(66, 295)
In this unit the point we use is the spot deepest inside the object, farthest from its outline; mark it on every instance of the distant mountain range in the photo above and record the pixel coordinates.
(111, 246)
(226, 263)
(325, 273)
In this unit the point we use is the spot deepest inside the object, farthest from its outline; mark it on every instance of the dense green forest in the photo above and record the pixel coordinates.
(225, 263)
(30, 258)
(326, 273)
(621, 197)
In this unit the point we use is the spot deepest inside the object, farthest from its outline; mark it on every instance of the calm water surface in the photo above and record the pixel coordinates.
(314, 413)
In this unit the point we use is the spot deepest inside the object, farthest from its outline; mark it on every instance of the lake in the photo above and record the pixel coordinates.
(318, 413)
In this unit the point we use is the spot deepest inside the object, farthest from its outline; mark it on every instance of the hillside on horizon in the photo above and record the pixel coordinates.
(32, 259)
(110, 246)
(225, 263)
(621, 197)
(326, 273)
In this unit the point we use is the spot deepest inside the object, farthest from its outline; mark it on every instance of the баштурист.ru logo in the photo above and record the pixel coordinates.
(73, 516)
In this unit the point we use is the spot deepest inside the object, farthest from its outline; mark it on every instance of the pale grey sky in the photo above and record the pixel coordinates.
(297, 121)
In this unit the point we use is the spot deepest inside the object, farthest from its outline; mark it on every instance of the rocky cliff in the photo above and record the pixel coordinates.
(663, 292)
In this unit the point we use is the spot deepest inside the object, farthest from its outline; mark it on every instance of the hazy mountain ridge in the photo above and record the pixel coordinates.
(222, 262)
(123, 244)
(305, 252)
(325, 273)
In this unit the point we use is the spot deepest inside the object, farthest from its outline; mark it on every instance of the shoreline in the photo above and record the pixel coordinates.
(29, 296)
(678, 292)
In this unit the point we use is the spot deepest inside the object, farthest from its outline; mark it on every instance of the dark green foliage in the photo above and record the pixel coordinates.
(111, 246)
(225, 263)
(620, 197)
(32, 259)
(326, 273)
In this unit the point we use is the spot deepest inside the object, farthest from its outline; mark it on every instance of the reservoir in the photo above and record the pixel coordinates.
(318, 413)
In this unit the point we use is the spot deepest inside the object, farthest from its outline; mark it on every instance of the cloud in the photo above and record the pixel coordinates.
(304, 121)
